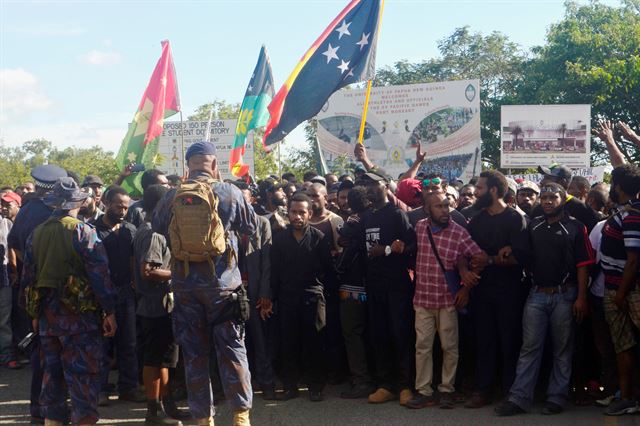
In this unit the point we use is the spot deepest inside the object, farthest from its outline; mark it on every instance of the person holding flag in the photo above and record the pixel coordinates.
(343, 54)
(159, 101)
(253, 112)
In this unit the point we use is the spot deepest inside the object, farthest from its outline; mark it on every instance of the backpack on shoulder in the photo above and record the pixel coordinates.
(196, 230)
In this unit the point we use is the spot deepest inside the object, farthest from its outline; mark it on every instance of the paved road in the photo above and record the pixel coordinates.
(14, 409)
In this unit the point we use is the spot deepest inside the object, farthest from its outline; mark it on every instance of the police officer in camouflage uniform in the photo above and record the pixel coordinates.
(202, 295)
(66, 284)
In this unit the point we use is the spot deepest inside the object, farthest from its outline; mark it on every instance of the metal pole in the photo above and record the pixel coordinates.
(184, 166)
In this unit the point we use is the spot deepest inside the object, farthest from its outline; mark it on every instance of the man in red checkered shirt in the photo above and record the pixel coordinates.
(435, 302)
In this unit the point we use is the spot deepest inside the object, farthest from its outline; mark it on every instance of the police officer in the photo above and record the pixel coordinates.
(65, 266)
(201, 295)
(29, 217)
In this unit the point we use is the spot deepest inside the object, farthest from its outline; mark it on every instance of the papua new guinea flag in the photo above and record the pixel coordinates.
(159, 101)
(343, 54)
(253, 112)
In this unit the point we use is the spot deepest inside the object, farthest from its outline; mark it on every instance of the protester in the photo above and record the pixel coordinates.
(579, 188)
(561, 256)
(60, 252)
(117, 236)
(95, 183)
(344, 209)
(272, 204)
(7, 353)
(467, 197)
(433, 184)
(351, 267)
(501, 233)
(255, 269)
(440, 245)
(562, 176)
(330, 179)
(10, 202)
(89, 212)
(598, 200)
(300, 260)
(154, 305)
(136, 213)
(387, 232)
(527, 196)
(203, 293)
(620, 246)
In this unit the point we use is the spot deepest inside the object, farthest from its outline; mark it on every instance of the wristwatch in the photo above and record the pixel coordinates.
(387, 250)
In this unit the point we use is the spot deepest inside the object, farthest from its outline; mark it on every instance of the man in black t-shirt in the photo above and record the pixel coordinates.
(389, 292)
(501, 232)
(117, 236)
(560, 258)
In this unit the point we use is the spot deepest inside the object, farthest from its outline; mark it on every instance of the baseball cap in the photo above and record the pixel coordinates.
(90, 180)
(527, 184)
(557, 171)
(10, 196)
(409, 192)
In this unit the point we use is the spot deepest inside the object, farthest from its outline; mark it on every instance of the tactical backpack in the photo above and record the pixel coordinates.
(196, 231)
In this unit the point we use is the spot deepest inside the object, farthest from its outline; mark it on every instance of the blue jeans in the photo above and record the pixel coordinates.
(124, 342)
(542, 313)
(6, 337)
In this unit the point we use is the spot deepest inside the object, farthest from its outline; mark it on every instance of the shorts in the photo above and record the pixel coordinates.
(623, 325)
(159, 349)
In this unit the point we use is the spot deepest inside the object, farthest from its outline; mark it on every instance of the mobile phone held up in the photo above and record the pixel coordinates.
(138, 167)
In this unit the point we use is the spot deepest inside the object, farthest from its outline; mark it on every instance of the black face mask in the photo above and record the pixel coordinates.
(484, 201)
(113, 217)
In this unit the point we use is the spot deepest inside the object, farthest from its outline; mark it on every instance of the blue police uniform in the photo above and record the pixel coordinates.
(200, 296)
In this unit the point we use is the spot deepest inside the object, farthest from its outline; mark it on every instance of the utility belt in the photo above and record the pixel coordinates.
(563, 288)
(75, 295)
(237, 306)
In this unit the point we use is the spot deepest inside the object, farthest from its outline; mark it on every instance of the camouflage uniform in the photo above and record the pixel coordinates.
(70, 349)
(199, 298)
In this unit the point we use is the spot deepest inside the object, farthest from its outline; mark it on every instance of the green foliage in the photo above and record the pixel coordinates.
(16, 162)
(265, 163)
(493, 59)
(301, 160)
(221, 111)
(592, 56)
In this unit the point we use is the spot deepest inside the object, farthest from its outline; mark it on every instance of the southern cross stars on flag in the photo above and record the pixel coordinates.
(343, 54)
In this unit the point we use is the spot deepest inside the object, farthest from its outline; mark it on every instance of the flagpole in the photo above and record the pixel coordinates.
(365, 108)
(207, 132)
(184, 170)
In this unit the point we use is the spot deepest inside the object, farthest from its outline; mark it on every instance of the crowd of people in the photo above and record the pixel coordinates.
(423, 291)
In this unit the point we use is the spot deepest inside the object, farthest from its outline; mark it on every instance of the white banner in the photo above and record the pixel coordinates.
(221, 134)
(444, 116)
(534, 135)
(593, 175)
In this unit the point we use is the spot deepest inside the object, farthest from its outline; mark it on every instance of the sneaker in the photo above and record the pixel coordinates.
(551, 408)
(446, 401)
(405, 396)
(606, 401)
(621, 407)
(421, 401)
(381, 396)
(358, 391)
(507, 408)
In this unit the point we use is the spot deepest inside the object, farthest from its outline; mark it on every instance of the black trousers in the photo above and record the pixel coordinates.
(258, 349)
(353, 314)
(497, 315)
(391, 320)
(303, 351)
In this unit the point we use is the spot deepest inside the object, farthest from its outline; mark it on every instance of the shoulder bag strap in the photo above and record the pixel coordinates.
(435, 250)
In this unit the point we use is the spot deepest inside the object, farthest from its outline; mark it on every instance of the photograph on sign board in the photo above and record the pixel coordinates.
(545, 134)
(443, 117)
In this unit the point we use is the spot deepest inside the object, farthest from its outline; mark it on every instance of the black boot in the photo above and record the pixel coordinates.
(156, 415)
(172, 410)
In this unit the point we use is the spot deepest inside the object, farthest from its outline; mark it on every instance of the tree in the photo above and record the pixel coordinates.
(16, 162)
(493, 59)
(591, 57)
(221, 111)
